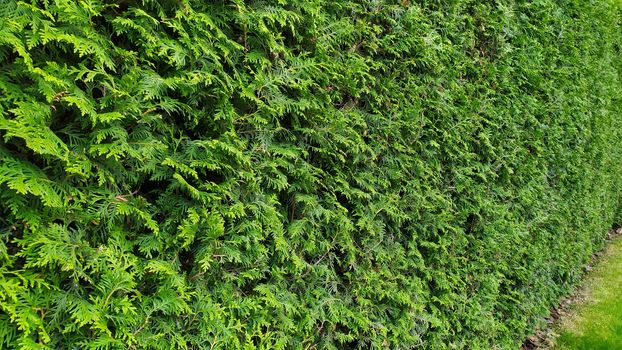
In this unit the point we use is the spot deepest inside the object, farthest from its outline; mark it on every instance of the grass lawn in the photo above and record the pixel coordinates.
(596, 323)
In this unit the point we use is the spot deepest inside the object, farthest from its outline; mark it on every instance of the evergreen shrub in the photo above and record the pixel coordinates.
(301, 174)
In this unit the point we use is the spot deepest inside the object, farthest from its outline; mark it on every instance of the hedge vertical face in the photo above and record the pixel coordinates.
(300, 174)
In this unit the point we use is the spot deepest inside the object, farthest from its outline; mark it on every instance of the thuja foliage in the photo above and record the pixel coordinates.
(301, 174)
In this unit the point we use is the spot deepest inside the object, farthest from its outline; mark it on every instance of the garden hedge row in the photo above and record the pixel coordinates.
(301, 174)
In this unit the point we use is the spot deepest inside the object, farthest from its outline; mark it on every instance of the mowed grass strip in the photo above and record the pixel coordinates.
(596, 323)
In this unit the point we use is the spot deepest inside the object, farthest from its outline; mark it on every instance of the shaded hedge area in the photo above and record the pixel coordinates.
(301, 174)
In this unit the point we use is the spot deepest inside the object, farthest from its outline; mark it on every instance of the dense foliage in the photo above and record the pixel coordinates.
(305, 174)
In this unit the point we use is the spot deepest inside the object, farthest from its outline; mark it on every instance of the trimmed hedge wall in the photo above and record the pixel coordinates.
(301, 174)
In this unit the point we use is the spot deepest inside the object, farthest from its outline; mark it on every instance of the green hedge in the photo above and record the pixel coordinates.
(301, 174)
